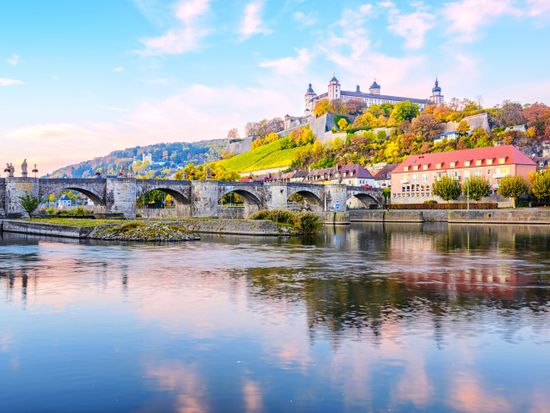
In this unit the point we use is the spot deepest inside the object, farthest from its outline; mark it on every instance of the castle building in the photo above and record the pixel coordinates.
(374, 95)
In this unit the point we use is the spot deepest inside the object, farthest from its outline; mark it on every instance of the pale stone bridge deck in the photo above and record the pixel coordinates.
(193, 198)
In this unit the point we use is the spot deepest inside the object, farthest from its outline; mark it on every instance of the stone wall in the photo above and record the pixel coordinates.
(38, 228)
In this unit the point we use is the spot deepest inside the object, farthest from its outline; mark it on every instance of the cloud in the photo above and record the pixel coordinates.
(13, 60)
(119, 69)
(467, 17)
(252, 21)
(538, 7)
(9, 82)
(412, 27)
(289, 66)
(186, 36)
(303, 19)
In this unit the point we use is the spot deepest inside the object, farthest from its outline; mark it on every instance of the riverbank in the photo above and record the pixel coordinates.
(538, 216)
(142, 230)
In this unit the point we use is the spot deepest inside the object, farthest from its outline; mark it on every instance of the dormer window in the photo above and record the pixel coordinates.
(438, 165)
(489, 161)
(415, 168)
(467, 163)
(406, 168)
(501, 161)
(478, 162)
(425, 167)
(452, 164)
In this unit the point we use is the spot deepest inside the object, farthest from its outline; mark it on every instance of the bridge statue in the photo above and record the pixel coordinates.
(24, 168)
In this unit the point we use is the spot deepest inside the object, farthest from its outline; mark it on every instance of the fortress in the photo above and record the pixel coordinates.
(374, 95)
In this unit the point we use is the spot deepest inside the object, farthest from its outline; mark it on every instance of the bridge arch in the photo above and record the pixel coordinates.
(311, 200)
(252, 201)
(178, 192)
(93, 190)
(361, 200)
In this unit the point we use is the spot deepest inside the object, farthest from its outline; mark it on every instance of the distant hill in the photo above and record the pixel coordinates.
(155, 161)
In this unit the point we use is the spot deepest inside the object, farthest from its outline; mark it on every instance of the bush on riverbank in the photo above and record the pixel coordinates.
(74, 212)
(144, 231)
(303, 222)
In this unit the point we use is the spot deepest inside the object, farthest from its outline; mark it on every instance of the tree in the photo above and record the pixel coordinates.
(386, 193)
(476, 188)
(29, 203)
(463, 128)
(426, 126)
(512, 187)
(343, 124)
(540, 185)
(509, 114)
(354, 106)
(365, 121)
(406, 110)
(233, 134)
(321, 107)
(537, 115)
(446, 188)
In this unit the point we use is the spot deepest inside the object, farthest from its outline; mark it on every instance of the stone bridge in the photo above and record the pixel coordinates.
(193, 198)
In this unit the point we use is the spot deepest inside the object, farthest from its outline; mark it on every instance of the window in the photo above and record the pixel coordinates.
(466, 174)
(406, 168)
(488, 171)
(478, 172)
(478, 162)
(489, 161)
(501, 161)
(425, 178)
(453, 164)
(415, 168)
(425, 167)
(466, 163)
(438, 165)
(415, 177)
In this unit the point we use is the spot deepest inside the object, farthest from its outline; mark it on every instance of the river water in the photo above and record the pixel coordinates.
(372, 318)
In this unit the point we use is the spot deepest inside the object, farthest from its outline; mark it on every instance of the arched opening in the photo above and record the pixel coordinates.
(362, 201)
(305, 201)
(238, 203)
(163, 203)
(70, 202)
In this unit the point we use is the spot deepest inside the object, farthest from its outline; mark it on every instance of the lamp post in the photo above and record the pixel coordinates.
(468, 194)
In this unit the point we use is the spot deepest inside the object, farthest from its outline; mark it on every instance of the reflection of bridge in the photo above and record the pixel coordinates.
(193, 198)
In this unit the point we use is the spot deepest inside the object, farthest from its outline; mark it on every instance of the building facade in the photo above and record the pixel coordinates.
(374, 95)
(412, 180)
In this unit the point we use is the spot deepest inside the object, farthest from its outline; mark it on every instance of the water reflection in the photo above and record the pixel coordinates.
(373, 318)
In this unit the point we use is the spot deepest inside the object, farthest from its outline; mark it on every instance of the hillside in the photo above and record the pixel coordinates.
(155, 161)
(271, 155)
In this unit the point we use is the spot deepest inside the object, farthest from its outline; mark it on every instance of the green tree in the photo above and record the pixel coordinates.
(405, 110)
(463, 128)
(540, 185)
(446, 188)
(512, 187)
(476, 188)
(386, 193)
(29, 203)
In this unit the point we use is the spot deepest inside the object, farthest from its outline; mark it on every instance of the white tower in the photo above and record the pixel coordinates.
(333, 89)
(309, 100)
(437, 97)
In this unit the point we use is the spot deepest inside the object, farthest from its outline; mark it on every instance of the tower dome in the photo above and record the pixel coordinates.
(436, 88)
(310, 90)
(374, 88)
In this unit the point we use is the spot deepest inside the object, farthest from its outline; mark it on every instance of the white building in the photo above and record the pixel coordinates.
(374, 96)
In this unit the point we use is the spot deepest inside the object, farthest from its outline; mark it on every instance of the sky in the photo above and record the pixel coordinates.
(79, 79)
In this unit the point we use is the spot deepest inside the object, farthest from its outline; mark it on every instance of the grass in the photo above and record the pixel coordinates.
(264, 157)
(75, 222)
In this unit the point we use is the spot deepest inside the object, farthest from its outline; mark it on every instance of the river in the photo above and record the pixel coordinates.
(372, 318)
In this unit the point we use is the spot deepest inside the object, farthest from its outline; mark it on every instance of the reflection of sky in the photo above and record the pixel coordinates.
(221, 326)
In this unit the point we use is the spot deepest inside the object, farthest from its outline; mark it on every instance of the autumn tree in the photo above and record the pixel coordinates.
(365, 121)
(426, 126)
(354, 106)
(512, 187)
(538, 117)
(463, 128)
(508, 114)
(321, 107)
(343, 124)
(476, 188)
(446, 188)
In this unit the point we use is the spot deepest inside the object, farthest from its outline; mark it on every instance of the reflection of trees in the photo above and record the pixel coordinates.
(448, 286)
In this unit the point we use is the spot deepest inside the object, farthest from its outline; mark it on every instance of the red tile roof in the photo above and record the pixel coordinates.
(511, 154)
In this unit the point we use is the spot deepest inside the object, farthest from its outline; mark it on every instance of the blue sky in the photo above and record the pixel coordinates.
(81, 78)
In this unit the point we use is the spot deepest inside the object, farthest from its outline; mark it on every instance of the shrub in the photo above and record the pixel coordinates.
(453, 205)
(430, 202)
(304, 222)
(540, 185)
